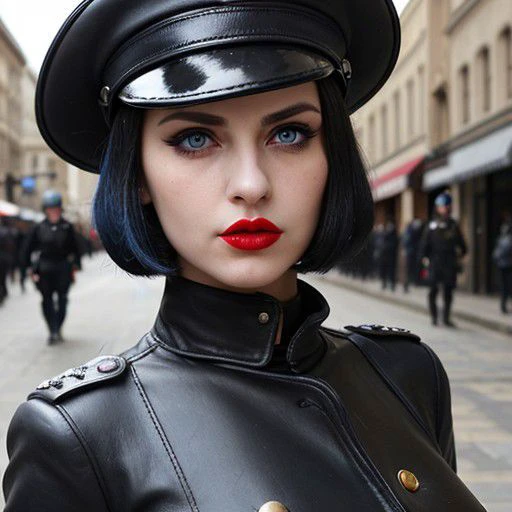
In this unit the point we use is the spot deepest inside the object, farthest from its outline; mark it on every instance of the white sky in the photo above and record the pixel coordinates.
(33, 23)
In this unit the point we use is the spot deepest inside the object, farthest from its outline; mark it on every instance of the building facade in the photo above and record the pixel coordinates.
(475, 160)
(40, 165)
(12, 64)
(444, 121)
(27, 165)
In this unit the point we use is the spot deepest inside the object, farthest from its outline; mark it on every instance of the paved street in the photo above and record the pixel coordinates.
(109, 311)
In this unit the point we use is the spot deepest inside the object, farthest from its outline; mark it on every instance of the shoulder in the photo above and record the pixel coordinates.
(101, 372)
(93, 373)
(409, 367)
(390, 349)
(383, 332)
(47, 456)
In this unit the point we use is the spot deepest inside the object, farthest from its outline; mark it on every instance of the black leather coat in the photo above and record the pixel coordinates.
(200, 416)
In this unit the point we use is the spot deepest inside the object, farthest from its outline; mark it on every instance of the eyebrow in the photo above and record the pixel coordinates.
(210, 119)
(287, 112)
(195, 117)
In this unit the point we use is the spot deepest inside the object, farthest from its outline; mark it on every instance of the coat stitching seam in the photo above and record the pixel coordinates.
(201, 355)
(141, 355)
(384, 489)
(438, 393)
(83, 443)
(395, 389)
(318, 385)
(167, 445)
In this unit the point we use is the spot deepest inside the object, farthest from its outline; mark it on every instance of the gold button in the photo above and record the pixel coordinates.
(408, 480)
(273, 506)
(263, 318)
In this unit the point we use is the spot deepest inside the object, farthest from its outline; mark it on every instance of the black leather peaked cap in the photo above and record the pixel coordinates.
(163, 53)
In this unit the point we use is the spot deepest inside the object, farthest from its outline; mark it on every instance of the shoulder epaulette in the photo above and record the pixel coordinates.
(98, 370)
(382, 331)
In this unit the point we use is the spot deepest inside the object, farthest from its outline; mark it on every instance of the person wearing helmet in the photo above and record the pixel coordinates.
(228, 164)
(58, 256)
(442, 246)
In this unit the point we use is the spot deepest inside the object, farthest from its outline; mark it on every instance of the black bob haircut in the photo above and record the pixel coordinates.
(132, 233)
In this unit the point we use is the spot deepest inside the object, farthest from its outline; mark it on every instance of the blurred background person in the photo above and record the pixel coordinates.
(411, 243)
(444, 246)
(59, 255)
(6, 244)
(388, 255)
(502, 256)
(377, 245)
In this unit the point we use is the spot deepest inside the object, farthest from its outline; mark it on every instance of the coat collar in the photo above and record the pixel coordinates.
(203, 322)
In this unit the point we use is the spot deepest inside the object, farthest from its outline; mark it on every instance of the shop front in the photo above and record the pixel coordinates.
(479, 175)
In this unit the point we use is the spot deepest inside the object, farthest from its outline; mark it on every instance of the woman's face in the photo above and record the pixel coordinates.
(206, 167)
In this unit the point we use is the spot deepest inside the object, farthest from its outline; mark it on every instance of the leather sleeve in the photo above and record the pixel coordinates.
(444, 421)
(48, 466)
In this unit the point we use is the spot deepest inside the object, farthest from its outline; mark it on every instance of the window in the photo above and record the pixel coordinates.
(396, 103)
(421, 99)
(464, 93)
(440, 116)
(506, 46)
(34, 163)
(384, 128)
(410, 109)
(485, 79)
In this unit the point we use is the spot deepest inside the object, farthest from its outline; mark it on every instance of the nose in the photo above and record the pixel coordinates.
(248, 183)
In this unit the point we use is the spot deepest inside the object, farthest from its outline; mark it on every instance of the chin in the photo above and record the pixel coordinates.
(250, 276)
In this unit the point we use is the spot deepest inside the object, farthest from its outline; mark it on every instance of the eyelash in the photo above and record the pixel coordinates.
(305, 130)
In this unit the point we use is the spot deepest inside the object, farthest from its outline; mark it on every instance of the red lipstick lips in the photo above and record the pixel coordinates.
(251, 235)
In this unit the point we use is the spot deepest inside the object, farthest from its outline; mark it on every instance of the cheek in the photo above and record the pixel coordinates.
(303, 187)
(182, 194)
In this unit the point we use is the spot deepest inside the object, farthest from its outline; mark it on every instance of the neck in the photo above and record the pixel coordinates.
(283, 289)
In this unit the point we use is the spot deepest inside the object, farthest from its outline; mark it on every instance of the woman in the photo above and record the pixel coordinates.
(229, 166)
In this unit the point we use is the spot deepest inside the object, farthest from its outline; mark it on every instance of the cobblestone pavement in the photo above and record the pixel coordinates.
(109, 311)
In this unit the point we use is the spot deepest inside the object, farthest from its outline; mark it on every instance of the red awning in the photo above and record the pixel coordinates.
(395, 181)
(403, 170)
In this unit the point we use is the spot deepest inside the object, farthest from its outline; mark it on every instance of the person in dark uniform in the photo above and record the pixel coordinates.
(388, 255)
(230, 166)
(6, 243)
(443, 245)
(502, 256)
(59, 256)
(411, 242)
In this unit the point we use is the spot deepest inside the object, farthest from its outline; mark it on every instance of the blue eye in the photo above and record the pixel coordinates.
(195, 141)
(288, 136)
(292, 135)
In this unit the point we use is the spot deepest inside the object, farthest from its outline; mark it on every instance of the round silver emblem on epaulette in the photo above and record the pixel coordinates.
(108, 366)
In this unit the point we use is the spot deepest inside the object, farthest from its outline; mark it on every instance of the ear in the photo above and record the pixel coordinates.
(144, 195)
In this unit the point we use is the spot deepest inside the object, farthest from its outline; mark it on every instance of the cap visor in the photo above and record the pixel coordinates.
(224, 73)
